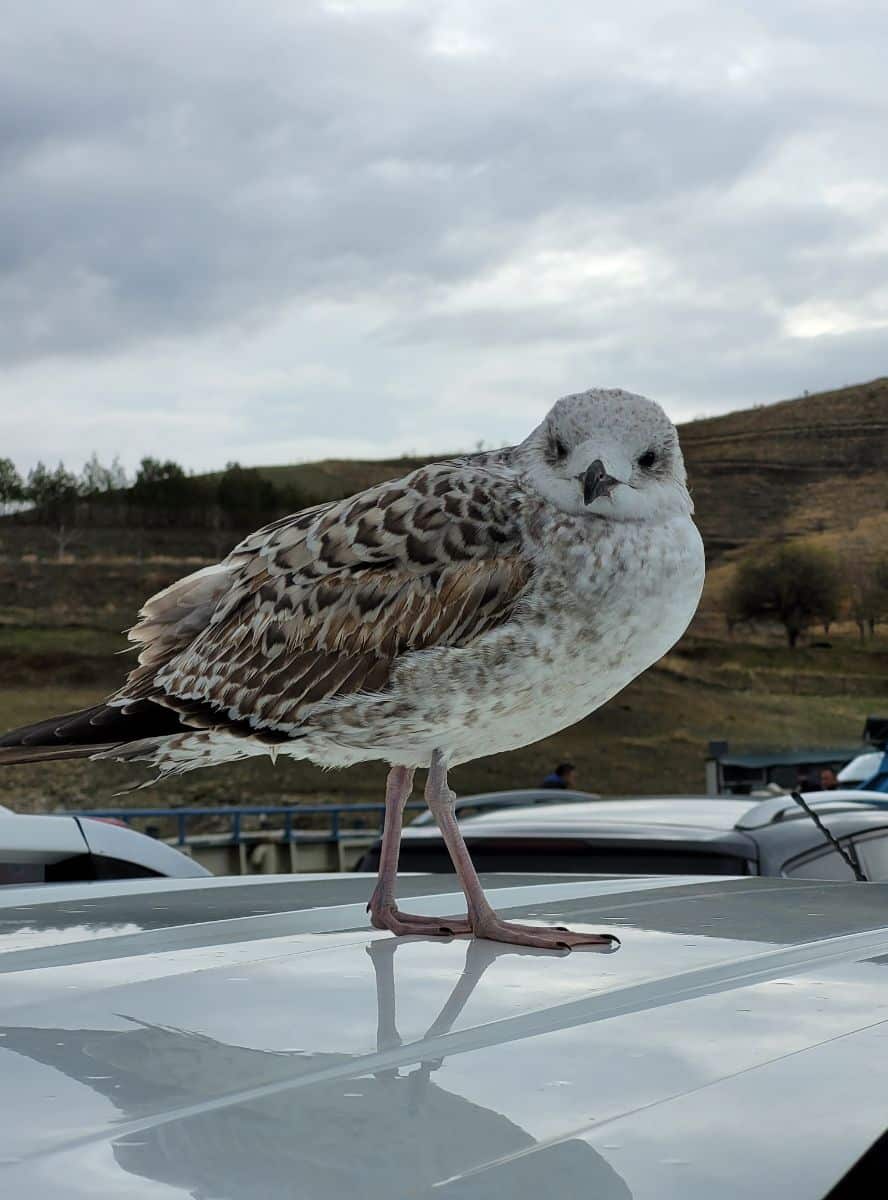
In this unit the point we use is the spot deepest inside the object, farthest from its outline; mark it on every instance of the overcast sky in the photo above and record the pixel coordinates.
(271, 231)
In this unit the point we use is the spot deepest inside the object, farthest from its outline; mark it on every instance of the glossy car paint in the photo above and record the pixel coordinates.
(253, 1038)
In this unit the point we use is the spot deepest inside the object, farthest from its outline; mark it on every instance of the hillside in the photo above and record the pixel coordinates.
(802, 466)
(755, 473)
(333, 478)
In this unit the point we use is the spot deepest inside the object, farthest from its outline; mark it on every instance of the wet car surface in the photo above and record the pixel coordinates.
(244, 1038)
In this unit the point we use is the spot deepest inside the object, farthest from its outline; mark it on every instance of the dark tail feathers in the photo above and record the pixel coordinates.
(89, 731)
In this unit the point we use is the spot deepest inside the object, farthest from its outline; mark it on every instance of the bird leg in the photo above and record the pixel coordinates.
(383, 909)
(484, 920)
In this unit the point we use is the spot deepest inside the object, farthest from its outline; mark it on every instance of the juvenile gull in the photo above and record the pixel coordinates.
(471, 607)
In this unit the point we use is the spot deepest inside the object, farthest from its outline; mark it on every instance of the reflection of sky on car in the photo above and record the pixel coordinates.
(94, 1172)
(30, 937)
(324, 985)
(637, 1058)
(723, 1136)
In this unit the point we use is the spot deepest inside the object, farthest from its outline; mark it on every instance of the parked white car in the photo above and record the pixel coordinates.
(66, 849)
(667, 835)
(252, 1037)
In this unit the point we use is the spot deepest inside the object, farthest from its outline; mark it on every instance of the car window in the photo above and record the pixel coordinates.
(873, 854)
(80, 868)
(872, 851)
(19, 873)
(550, 857)
(826, 864)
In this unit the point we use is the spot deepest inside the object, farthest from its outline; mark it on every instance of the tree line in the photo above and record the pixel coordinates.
(161, 493)
(795, 584)
(800, 586)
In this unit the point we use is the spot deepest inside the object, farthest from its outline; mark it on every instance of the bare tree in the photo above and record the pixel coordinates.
(865, 574)
(880, 594)
(12, 490)
(96, 479)
(55, 495)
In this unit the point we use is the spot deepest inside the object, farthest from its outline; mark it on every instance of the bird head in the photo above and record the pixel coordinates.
(608, 453)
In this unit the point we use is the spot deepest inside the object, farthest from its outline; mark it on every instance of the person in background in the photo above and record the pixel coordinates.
(564, 776)
(829, 781)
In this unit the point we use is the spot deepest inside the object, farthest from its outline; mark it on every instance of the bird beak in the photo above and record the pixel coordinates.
(597, 482)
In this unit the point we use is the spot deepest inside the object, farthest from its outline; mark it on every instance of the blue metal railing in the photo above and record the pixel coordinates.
(284, 818)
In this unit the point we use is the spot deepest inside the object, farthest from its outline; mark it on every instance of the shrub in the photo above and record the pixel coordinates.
(795, 585)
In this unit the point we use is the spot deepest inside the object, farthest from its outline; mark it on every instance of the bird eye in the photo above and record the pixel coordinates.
(559, 448)
(647, 459)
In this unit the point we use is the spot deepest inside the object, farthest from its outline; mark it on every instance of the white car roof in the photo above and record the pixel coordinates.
(697, 812)
(660, 816)
(243, 1038)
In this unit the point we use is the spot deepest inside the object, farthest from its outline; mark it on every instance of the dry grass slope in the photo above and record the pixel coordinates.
(798, 467)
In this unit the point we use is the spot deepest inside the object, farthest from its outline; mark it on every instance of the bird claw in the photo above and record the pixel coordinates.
(542, 936)
(403, 924)
(545, 937)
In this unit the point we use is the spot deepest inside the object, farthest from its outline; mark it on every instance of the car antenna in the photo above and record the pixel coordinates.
(850, 855)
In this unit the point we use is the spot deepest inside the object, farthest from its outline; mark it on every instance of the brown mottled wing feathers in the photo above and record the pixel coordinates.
(321, 605)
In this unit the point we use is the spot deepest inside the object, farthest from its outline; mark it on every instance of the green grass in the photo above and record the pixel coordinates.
(76, 656)
(845, 655)
(66, 640)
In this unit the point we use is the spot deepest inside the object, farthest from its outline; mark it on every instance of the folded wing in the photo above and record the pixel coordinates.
(323, 604)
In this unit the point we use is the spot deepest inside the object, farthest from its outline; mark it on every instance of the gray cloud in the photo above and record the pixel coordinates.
(422, 222)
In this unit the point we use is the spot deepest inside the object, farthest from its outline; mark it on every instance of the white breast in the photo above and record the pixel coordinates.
(598, 617)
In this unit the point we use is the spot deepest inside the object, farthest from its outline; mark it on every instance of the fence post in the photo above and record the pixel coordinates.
(181, 827)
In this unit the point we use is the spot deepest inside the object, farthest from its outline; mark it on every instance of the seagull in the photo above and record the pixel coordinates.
(471, 607)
